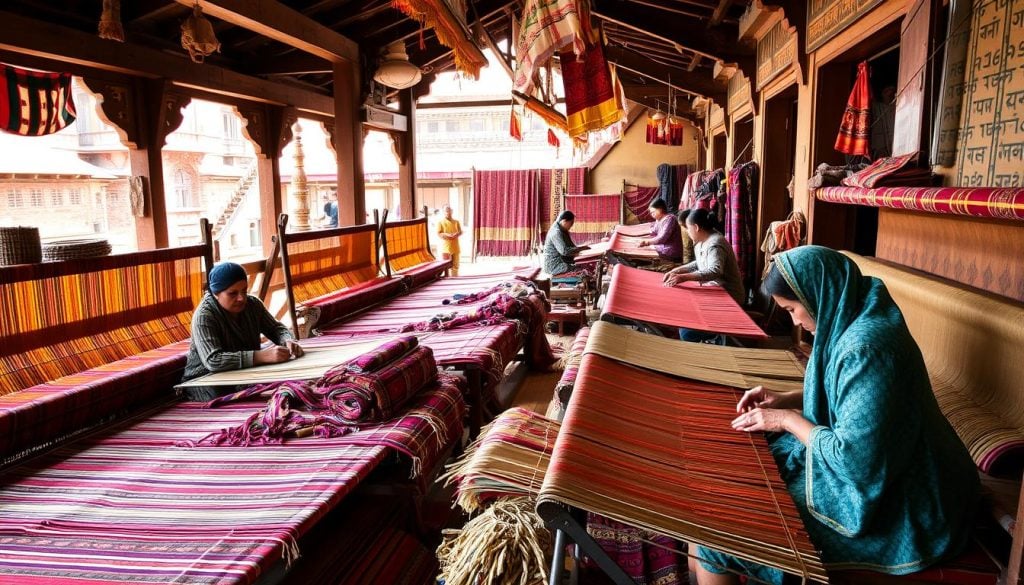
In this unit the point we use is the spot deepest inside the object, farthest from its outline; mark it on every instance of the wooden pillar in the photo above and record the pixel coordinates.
(405, 143)
(159, 112)
(269, 128)
(349, 144)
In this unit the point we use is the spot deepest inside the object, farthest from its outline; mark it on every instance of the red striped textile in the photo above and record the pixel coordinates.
(554, 183)
(639, 201)
(628, 245)
(327, 309)
(564, 386)
(596, 215)
(60, 318)
(741, 218)
(639, 294)
(128, 506)
(895, 171)
(641, 229)
(34, 103)
(991, 202)
(855, 129)
(505, 211)
(658, 453)
(36, 415)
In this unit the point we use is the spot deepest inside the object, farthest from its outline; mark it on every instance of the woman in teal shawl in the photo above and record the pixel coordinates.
(881, 480)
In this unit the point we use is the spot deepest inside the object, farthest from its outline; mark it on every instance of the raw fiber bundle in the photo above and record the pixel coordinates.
(371, 388)
(509, 458)
(506, 545)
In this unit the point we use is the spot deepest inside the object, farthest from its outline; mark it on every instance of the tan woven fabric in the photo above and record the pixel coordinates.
(973, 345)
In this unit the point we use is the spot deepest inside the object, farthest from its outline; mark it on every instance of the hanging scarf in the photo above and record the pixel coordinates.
(34, 103)
(855, 130)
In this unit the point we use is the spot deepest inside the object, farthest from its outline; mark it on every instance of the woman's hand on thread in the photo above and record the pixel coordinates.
(674, 279)
(294, 349)
(759, 397)
(271, 355)
(668, 275)
(763, 419)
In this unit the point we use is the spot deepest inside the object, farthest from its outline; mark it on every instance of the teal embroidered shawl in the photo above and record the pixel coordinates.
(885, 483)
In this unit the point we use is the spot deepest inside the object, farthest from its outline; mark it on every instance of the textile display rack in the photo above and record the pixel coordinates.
(640, 295)
(657, 452)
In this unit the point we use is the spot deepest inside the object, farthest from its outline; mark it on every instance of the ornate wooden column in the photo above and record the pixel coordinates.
(144, 112)
(298, 192)
(270, 130)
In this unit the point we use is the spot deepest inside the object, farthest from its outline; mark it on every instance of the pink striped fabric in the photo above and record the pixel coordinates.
(127, 506)
(639, 294)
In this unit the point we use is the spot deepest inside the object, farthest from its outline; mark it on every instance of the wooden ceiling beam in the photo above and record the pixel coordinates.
(682, 80)
(720, 12)
(71, 47)
(274, 20)
(142, 11)
(297, 64)
(719, 43)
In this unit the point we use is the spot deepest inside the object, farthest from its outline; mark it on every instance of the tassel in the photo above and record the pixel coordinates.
(553, 139)
(110, 21)
(514, 127)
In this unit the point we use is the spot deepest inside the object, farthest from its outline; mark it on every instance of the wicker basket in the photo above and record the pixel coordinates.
(19, 245)
(75, 249)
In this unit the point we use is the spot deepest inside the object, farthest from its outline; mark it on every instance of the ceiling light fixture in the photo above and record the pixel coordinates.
(395, 70)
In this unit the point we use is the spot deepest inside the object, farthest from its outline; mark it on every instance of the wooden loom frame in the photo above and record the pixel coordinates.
(282, 240)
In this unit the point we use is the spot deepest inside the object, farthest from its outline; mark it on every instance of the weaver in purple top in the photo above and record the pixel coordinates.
(665, 236)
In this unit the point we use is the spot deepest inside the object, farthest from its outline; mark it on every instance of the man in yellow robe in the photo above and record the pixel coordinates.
(449, 230)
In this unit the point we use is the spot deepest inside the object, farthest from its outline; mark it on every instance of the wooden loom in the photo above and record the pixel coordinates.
(657, 452)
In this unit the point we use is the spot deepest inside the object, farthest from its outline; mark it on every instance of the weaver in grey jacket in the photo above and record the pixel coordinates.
(226, 329)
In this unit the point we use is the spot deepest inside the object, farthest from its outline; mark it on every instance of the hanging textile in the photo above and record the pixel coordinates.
(670, 180)
(439, 16)
(505, 211)
(741, 218)
(554, 183)
(515, 127)
(665, 130)
(592, 101)
(34, 103)
(855, 130)
(546, 27)
(596, 215)
(639, 200)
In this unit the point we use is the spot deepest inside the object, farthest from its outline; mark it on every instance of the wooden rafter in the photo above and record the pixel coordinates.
(720, 11)
(277, 21)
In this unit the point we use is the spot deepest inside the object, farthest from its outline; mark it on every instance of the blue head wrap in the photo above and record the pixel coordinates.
(224, 275)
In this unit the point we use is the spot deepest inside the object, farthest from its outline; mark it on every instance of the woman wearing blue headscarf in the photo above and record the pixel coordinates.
(881, 480)
(226, 329)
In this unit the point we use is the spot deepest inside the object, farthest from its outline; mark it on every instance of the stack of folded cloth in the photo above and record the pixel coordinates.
(897, 171)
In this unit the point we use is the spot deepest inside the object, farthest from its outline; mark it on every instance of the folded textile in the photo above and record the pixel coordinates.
(827, 175)
(892, 171)
(371, 388)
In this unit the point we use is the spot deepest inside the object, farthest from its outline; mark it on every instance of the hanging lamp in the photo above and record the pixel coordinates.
(197, 36)
(395, 70)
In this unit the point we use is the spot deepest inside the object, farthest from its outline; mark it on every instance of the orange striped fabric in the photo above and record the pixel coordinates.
(62, 318)
(320, 264)
(407, 244)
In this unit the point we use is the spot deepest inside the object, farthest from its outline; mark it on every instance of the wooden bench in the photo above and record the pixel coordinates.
(973, 345)
(331, 273)
(407, 253)
(85, 339)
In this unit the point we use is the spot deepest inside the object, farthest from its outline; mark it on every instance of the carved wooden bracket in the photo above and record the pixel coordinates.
(255, 128)
(330, 129)
(172, 106)
(116, 106)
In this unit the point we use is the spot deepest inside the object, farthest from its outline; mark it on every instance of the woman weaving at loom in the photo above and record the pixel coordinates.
(882, 481)
(226, 330)
(715, 264)
(559, 249)
(665, 236)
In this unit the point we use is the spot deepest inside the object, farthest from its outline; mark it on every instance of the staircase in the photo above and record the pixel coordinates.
(227, 217)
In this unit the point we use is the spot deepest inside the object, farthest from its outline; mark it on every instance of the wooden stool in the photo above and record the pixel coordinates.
(562, 314)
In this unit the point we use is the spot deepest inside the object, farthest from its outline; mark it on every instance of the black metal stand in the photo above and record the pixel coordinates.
(567, 526)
